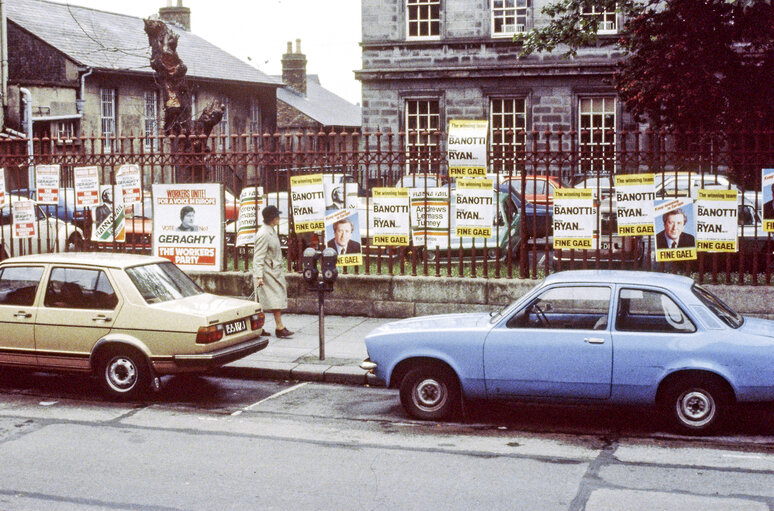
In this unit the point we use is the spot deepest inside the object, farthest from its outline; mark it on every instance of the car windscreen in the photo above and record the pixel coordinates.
(161, 282)
(716, 305)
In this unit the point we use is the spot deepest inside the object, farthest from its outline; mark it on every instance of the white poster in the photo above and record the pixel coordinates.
(109, 218)
(767, 193)
(23, 213)
(338, 193)
(128, 178)
(675, 228)
(3, 196)
(250, 219)
(717, 218)
(47, 184)
(467, 148)
(86, 186)
(188, 225)
(634, 196)
(574, 218)
(342, 233)
(429, 216)
(390, 216)
(474, 208)
(308, 201)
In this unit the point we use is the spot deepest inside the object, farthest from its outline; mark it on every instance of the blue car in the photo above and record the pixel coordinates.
(598, 336)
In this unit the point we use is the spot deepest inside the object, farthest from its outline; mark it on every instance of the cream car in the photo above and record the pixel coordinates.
(51, 233)
(125, 318)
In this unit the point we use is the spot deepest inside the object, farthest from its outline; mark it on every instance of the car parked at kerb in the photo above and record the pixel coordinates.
(127, 319)
(598, 336)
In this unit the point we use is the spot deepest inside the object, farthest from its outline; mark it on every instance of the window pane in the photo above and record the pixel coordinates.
(76, 288)
(423, 18)
(162, 282)
(577, 308)
(650, 311)
(18, 284)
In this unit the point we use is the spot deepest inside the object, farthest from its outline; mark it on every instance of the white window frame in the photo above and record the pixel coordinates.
(423, 18)
(511, 116)
(419, 126)
(151, 119)
(595, 123)
(502, 11)
(64, 129)
(108, 116)
(255, 117)
(224, 130)
(608, 23)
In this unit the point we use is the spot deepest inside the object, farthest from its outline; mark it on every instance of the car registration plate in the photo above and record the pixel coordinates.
(235, 327)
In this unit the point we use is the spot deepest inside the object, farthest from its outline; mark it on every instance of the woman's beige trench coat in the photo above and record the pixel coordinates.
(267, 264)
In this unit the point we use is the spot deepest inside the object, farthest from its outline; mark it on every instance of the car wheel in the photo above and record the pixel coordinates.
(697, 405)
(75, 242)
(123, 373)
(430, 392)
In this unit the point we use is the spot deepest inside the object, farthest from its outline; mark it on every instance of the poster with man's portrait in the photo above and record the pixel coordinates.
(767, 210)
(108, 218)
(675, 228)
(342, 232)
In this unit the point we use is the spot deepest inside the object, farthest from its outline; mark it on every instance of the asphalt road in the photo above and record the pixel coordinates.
(215, 443)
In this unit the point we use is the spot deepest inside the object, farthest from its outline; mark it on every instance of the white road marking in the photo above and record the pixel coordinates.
(278, 394)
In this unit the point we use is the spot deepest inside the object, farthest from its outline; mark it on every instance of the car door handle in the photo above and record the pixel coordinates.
(101, 318)
(594, 340)
(22, 314)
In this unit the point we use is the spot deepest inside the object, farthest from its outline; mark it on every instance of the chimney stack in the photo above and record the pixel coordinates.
(294, 68)
(180, 16)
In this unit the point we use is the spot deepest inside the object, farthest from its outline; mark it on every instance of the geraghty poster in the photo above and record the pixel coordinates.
(188, 225)
(390, 216)
(308, 201)
(47, 184)
(474, 208)
(634, 196)
(675, 225)
(86, 186)
(467, 148)
(23, 216)
(574, 218)
(717, 219)
(128, 178)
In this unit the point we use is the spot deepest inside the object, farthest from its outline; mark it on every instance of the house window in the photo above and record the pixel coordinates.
(605, 18)
(509, 17)
(193, 106)
(255, 117)
(108, 109)
(224, 140)
(422, 124)
(507, 122)
(597, 134)
(423, 18)
(151, 120)
(64, 130)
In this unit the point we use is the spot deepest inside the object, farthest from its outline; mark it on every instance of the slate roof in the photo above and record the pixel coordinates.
(117, 42)
(321, 104)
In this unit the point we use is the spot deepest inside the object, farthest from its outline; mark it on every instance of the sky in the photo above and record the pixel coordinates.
(257, 31)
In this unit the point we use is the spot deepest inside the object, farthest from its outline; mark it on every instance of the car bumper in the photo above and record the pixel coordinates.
(218, 358)
(368, 365)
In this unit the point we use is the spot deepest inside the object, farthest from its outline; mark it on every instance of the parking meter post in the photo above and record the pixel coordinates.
(321, 319)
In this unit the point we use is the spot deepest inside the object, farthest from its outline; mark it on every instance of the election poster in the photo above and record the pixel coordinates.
(128, 178)
(634, 196)
(47, 184)
(109, 218)
(188, 225)
(307, 197)
(474, 208)
(767, 192)
(338, 193)
(250, 219)
(467, 148)
(717, 218)
(390, 216)
(3, 196)
(574, 218)
(86, 186)
(23, 216)
(675, 225)
(342, 232)
(429, 216)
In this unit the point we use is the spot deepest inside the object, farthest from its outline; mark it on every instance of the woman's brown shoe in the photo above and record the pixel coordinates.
(284, 333)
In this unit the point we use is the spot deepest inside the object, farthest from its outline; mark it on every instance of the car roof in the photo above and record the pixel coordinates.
(619, 277)
(105, 259)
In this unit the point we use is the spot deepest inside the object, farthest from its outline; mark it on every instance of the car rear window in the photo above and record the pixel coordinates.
(162, 282)
(726, 314)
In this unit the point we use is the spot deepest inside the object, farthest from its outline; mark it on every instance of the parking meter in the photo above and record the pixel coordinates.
(329, 271)
(309, 265)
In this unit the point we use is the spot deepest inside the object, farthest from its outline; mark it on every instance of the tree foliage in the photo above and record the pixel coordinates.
(689, 64)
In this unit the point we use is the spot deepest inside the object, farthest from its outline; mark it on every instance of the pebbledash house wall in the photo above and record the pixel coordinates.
(466, 66)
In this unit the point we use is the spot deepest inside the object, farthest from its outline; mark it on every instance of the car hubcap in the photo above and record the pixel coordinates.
(430, 395)
(695, 408)
(121, 374)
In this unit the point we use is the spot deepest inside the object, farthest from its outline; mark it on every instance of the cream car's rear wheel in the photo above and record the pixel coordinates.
(124, 373)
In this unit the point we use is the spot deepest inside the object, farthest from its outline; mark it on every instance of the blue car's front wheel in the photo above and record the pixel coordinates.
(430, 392)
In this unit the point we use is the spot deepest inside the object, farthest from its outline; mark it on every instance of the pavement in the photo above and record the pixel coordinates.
(298, 358)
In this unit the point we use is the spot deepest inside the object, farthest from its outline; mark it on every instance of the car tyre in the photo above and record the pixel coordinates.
(123, 373)
(696, 406)
(430, 392)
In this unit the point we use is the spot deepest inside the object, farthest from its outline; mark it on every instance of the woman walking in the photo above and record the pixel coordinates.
(270, 285)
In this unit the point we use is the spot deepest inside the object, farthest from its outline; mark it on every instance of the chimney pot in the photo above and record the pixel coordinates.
(294, 68)
(298, 46)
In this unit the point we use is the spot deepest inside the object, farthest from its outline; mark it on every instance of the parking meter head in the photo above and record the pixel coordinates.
(309, 263)
(329, 271)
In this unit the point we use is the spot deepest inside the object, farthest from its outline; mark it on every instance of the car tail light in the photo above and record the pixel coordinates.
(256, 321)
(209, 334)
